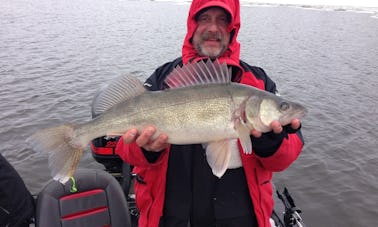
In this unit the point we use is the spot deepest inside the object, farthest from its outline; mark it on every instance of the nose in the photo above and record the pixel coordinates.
(213, 26)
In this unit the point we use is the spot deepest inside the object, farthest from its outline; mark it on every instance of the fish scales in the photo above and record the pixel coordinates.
(188, 115)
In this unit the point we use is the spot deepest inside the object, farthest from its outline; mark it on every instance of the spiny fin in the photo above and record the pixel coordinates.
(198, 73)
(121, 89)
(218, 156)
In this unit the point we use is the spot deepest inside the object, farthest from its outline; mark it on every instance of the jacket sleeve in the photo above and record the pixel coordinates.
(134, 155)
(282, 152)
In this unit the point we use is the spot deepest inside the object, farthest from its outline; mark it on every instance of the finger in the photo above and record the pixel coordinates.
(159, 144)
(295, 123)
(145, 136)
(130, 136)
(256, 133)
(276, 127)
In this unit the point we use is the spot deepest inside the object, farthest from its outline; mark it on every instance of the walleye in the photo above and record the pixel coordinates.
(202, 105)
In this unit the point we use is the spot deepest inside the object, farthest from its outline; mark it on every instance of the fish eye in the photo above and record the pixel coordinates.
(284, 106)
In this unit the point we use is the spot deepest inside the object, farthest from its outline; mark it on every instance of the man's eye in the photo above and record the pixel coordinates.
(203, 19)
(222, 21)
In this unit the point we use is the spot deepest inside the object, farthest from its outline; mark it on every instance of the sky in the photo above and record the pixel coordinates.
(366, 3)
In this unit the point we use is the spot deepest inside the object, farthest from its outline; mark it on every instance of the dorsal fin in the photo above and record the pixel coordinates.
(198, 73)
(120, 89)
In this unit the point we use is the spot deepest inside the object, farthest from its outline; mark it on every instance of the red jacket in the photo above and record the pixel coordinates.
(258, 169)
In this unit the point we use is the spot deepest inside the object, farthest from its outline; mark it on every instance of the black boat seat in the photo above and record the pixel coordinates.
(91, 198)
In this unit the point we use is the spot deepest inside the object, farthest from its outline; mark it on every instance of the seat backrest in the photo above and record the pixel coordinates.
(91, 198)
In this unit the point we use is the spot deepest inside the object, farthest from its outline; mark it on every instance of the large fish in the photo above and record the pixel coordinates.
(202, 105)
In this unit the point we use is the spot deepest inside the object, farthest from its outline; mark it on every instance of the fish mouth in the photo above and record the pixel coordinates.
(286, 119)
(299, 111)
(303, 112)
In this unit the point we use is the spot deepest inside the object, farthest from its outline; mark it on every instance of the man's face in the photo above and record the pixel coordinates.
(211, 37)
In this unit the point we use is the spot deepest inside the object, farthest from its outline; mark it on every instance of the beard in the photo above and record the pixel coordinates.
(211, 51)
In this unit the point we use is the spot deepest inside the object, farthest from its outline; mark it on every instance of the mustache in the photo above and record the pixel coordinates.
(212, 35)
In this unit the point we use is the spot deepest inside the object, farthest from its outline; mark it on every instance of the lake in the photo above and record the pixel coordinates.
(55, 55)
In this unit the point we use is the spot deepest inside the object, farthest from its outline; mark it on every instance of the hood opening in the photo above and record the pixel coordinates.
(232, 7)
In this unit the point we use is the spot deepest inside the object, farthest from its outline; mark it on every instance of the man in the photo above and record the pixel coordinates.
(175, 185)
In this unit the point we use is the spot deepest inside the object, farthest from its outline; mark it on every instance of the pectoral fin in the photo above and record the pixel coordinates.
(218, 156)
(245, 139)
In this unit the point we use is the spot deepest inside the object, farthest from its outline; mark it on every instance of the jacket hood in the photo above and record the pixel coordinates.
(232, 54)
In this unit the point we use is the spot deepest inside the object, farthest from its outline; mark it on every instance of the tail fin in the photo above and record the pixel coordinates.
(64, 152)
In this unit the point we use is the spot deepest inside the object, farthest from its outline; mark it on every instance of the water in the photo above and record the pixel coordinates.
(54, 55)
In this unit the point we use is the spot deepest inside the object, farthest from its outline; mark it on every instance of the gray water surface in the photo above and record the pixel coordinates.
(54, 56)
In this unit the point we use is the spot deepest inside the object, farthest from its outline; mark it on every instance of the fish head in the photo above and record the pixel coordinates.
(261, 111)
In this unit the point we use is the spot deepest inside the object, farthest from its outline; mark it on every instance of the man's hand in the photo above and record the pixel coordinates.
(145, 140)
(277, 127)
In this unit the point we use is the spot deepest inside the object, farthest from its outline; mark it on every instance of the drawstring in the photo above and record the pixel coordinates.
(73, 189)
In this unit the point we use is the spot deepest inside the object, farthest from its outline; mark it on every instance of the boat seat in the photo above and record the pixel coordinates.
(91, 198)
